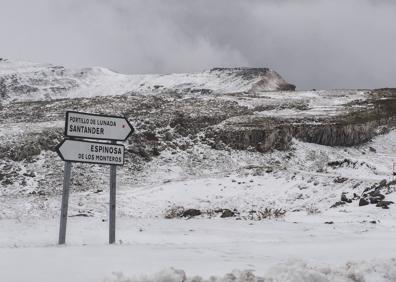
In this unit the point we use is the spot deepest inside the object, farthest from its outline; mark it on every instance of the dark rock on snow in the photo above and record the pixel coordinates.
(227, 213)
(363, 202)
(191, 213)
(345, 199)
(384, 204)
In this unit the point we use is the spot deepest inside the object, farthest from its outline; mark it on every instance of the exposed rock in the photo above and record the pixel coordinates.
(336, 134)
(263, 77)
(345, 162)
(384, 204)
(374, 200)
(259, 133)
(340, 179)
(227, 213)
(345, 199)
(355, 196)
(191, 213)
(338, 204)
(382, 183)
(363, 202)
(376, 194)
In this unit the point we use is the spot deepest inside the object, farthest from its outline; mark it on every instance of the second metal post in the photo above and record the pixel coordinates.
(65, 203)
(113, 181)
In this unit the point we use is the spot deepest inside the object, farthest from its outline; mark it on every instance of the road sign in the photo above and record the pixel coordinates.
(91, 152)
(93, 126)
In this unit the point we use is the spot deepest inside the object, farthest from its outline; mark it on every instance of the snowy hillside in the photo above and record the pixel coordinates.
(24, 81)
(222, 177)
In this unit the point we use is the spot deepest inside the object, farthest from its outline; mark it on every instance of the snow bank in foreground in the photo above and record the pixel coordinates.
(291, 271)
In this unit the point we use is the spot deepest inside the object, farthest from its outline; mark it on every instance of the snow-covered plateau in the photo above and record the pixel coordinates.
(231, 175)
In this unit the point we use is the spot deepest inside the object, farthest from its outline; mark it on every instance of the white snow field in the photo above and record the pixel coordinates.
(311, 242)
(302, 251)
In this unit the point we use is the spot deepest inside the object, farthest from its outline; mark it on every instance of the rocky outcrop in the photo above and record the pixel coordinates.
(349, 128)
(247, 132)
(336, 134)
(375, 116)
(374, 194)
(263, 79)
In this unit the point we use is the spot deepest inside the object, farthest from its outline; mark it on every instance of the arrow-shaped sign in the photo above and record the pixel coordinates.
(91, 152)
(92, 126)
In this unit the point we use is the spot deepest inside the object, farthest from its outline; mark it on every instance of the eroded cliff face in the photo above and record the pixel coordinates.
(346, 124)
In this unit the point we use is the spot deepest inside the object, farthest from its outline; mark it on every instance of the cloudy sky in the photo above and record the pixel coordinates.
(312, 43)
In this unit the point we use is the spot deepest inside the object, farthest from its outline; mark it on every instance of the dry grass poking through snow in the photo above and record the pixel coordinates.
(260, 214)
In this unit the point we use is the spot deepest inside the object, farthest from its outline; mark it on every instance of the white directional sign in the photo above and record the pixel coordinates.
(92, 126)
(91, 152)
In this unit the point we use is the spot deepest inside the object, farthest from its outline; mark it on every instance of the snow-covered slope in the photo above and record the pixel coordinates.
(24, 81)
(220, 174)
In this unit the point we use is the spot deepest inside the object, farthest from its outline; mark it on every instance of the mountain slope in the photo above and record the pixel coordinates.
(20, 81)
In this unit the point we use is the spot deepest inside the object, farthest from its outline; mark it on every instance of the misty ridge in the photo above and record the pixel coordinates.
(314, 44)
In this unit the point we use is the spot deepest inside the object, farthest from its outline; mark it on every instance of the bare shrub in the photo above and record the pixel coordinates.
(174, 212)
(266, 213)
(312, 209)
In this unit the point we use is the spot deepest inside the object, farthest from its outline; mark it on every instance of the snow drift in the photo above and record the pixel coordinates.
(290, 271)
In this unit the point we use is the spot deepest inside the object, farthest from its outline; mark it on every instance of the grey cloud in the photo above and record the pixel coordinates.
(312, 43)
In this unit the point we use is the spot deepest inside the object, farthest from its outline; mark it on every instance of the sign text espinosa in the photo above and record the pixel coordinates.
(91, 152)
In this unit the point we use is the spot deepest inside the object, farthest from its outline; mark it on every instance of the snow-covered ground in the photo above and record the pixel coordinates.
(26, 81)
(300, 104)
(311, 242)
(304, 250)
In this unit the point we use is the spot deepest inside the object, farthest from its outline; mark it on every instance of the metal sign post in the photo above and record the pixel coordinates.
(113, 183)
(65, 203)
(92, 126)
